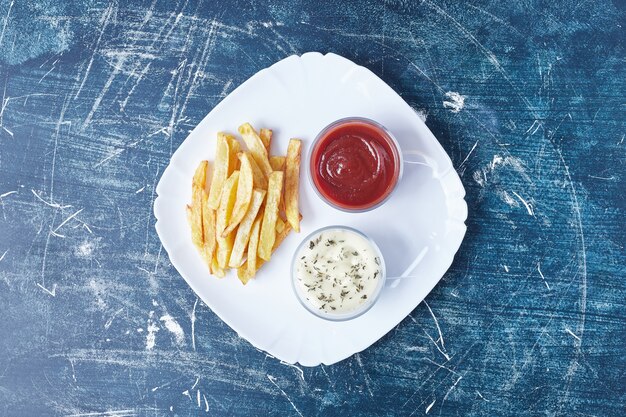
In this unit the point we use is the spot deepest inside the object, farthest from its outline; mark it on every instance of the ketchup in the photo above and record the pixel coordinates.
(355, 164)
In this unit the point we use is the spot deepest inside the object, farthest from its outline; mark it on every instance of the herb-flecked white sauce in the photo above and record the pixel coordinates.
(337, 271)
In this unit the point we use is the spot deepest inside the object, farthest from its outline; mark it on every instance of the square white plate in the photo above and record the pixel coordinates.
(419, 229)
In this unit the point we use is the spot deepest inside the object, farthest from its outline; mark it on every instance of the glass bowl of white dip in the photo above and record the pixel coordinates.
(337, 273)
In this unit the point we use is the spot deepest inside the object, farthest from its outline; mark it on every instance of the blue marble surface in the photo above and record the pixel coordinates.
(527, 97)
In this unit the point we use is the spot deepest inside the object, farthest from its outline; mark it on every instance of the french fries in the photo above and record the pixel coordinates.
(244, 196)
(250, 206)
(220, 170)
(234, 147)
(277, 162)
(266, 138)
(248, 269)
(292, 183)
(197, 186)
(243, 232)
(256, 147)
(268, 227)
(260, 180)
(208, 230)
(227, 202)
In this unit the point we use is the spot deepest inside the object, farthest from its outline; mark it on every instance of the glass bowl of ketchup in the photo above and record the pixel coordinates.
(355, 164)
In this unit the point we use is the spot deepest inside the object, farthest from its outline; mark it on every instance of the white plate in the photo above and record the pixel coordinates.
(419, 229)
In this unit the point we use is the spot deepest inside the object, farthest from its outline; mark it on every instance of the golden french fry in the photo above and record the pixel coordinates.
(234, 147)
(220, 170)
(216, 270)
(247, 271)
(256, 148)
(189, 218)
(260, 181)
(243, 231)
(292, 182)
(199, 176)
(266, 138)
(208, 227)
(244, 195)
(197, 186)
(224, 248)
(280, 225)
(227, 202)
(277, 162)
(268, 226)
(281, 236)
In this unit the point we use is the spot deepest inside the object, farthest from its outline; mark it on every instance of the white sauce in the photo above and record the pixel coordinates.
(337, 271)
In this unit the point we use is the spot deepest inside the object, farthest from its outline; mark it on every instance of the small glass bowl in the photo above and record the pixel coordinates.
(396, 154)
(358, 311)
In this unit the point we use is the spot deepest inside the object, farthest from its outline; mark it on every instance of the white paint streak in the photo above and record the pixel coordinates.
(534, 127)
(455, 101)
(67, 220)
(193, 325)
(49, 203)
(445, 355)
(430, 406)
(273, 381)
(49, 71)
(110, 320)
(478, 177)
(438, 365)
(497, 160)
(173, 327)
(481, 396)
(468, 155)
(73, 371)
(153, 328)
(297, 368)
(541, 274)
(443, 346)
(113, 154)
(572, 333)
(367, 377)
(452, 387)
(85, 249)
(508, 199)
(7, 194)
(612, 177)
(51, 292)
(6, 20)
(109, 413)
(527, 205)
(3, 255)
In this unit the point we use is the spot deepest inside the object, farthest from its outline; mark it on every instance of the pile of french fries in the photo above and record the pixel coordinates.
(241, 213)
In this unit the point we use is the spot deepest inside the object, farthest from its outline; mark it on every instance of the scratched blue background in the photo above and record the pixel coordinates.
(527, 97)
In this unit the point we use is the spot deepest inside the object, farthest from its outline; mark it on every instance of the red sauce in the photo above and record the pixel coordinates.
(355, 165)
